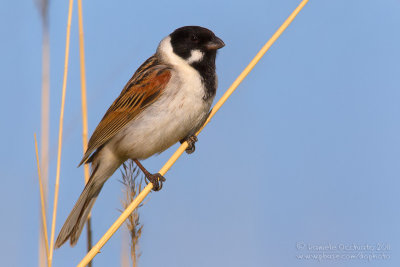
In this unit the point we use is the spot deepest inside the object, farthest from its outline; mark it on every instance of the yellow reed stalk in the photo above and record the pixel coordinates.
(60, 131)
(83, 88)
(114, 227)
(84, 114)
(43, 204)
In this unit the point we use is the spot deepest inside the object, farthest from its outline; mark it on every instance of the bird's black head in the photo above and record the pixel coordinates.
(195, 44)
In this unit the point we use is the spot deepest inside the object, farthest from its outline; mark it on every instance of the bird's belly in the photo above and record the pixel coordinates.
(165, 122)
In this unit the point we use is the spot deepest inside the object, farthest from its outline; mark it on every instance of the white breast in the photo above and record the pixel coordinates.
(178, 112)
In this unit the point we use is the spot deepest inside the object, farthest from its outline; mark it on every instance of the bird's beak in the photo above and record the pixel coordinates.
(215, 44)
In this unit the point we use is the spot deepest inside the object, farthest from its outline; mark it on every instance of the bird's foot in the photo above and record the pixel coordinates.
(191, 140)
(156, 179)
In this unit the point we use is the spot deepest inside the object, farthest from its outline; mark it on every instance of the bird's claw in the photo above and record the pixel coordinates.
(157, 181)
(191, 140)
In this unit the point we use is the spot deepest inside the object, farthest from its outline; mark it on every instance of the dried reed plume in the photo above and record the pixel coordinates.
(132, 187)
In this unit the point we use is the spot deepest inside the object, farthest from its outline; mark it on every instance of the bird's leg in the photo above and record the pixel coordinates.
(156, 179)
(192, 139)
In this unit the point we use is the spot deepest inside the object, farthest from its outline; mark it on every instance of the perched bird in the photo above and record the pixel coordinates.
(167, 100)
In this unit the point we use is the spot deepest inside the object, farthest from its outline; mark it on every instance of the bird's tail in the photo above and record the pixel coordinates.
(75, 222)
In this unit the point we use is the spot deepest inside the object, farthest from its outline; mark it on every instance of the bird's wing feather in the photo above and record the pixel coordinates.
(143, 89)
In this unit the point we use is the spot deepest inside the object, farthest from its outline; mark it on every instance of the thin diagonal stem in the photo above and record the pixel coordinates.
(60, 131)
(42, 202)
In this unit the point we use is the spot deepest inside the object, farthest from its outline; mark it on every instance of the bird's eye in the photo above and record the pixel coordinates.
(194, 38)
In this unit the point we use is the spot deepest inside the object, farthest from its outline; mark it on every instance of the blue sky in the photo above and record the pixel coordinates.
(305, 153)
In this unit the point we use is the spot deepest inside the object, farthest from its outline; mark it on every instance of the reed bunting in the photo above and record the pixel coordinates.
(167, 100)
